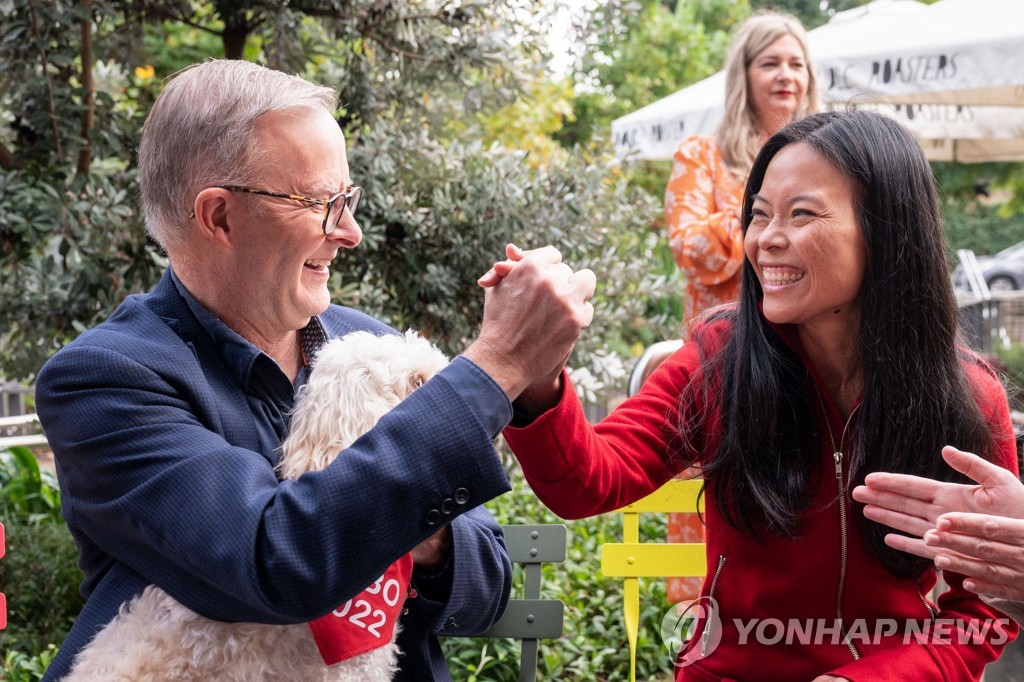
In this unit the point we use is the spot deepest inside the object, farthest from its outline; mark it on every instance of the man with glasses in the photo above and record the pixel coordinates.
(166, 419)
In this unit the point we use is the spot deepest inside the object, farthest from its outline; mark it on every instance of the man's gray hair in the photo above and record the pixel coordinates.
(201, 132)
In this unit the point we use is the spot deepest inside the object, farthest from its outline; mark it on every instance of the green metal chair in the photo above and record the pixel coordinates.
(531, 618)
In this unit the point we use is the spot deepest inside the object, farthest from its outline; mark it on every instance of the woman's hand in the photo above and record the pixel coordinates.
(974, 530)
(545, 389)
(502, 268)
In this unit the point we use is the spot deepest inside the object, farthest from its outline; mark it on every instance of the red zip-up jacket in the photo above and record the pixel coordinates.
(776, 599)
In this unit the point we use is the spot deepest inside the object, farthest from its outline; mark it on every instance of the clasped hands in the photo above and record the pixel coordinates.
(535, 308)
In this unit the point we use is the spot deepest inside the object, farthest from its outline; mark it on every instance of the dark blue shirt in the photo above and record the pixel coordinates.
(269, 393)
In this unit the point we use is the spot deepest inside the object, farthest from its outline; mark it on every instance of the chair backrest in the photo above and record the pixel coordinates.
(531, 618)
(632, 559)
(655, 354)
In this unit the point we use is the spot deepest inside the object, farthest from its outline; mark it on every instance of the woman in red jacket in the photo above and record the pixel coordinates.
(769, 82)
(841, 358)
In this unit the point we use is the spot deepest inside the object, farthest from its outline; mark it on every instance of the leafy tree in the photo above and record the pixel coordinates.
(634, 57)
(71, 244)
(981, 209)
(418, 80)
(811, 13)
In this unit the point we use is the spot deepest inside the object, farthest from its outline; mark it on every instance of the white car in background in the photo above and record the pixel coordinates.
(1002, 272)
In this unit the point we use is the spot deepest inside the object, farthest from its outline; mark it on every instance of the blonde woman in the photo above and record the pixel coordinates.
(769, 83)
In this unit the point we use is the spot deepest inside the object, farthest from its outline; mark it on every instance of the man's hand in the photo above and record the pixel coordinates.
(535, 307)
(433, 553)
(988, 549)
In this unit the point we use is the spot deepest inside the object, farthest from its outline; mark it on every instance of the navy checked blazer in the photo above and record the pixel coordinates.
(165, 480)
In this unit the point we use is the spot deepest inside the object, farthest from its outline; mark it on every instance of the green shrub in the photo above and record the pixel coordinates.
(25, 489)
(40, 577)
(39, 573)
(20, 667)
(982, 229)
(437, 216)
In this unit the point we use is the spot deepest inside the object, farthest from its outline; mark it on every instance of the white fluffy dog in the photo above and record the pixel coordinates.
(355, 381)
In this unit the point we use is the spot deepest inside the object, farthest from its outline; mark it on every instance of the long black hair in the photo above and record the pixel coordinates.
(916, 394)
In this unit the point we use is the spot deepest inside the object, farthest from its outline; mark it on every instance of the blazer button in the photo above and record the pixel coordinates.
(433, 517)
(461, 496)
(448, 506)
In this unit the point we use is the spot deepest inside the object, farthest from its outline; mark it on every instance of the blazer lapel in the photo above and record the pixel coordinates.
(235, 419)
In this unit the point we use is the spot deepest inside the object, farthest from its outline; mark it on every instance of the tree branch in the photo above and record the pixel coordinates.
(89, 111)
(7, 161)
(372, 35)
(51, 107)
(160, 13)
(316, 10)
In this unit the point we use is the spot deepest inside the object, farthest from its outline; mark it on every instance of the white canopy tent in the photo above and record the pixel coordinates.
(952, 52)
(953, 72)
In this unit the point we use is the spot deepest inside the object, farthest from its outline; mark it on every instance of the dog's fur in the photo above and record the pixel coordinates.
(355, 381)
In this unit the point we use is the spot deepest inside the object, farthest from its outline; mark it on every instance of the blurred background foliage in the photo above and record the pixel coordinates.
(465, 134)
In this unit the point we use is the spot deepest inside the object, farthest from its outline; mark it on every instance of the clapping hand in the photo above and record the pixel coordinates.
(974, 530)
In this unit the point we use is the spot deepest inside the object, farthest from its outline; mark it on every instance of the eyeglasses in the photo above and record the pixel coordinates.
(334, 207)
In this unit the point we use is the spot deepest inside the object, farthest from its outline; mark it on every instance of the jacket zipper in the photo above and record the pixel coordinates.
(927, 604)
(705, 636)
(837, 454)
(842, 550)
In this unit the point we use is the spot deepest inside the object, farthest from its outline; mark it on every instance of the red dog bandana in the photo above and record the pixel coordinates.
(367, 621)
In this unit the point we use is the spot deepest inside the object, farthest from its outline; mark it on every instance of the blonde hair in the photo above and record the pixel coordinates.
(202, 132)
(739, 133)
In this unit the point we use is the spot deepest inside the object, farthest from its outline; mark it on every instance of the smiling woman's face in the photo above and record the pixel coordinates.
(805, 242)
(777, 81)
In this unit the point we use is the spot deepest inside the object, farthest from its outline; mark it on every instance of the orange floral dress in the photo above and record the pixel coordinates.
(702, 215)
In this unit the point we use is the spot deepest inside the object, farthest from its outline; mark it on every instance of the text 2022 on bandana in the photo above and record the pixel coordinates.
(366, 621)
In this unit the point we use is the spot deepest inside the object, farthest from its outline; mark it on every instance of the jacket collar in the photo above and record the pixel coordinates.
(200, 328)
